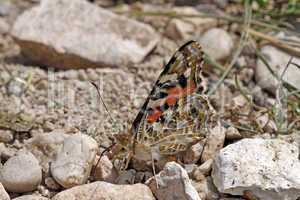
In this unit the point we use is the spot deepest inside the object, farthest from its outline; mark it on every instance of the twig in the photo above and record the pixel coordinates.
(173, 14)
(276, 42)
(241, 127)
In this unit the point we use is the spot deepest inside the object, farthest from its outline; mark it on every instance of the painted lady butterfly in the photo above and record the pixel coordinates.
(175, 113)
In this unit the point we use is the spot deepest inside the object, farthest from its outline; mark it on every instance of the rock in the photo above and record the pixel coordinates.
(9, 10)
(241, 104)
(105, 170)
(31, 197)
(51, 183)
(212, 191)
(217, 43)
(178, 29)
(26, 181)
(264, 122)
(214, 143)
(277, 60)
(232, 134)
(269, 169)
(193, 154)
(15, 87)
(6, 152)
(73, 163)
(3, 193)
(201, 188)
(173, 178)
(6, 136)
(127, 177)
(141, 177)
(44, 191)
(106, 191)
(246, 75)
(204, 169)
(96, 37)
(4, 27)
(46, 146)
(206, 188)
(190, 168)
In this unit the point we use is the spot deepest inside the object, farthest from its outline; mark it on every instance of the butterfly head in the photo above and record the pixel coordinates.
(123, 150)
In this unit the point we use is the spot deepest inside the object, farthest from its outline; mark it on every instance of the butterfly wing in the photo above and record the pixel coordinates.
(166, 117)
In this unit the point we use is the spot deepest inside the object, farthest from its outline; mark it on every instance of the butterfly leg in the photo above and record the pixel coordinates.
(153, 169)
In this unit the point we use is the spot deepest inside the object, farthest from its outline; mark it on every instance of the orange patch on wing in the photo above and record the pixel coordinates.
(154, 116)
(176, 92)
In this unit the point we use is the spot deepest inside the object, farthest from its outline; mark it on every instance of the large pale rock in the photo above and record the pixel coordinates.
(173, 183)
(106, 191)
(78, 34)
(217, 43)
(46, 146)
(277, 60)
(21, 173)
(269, 169)
(74, 162)
(31, 197)
(3, 193)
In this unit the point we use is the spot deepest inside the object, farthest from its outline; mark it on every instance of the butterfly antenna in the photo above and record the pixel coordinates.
(101, 99)
(112, 120)
(107, 149)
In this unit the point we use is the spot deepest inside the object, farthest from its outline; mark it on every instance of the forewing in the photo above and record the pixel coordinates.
(180, 79)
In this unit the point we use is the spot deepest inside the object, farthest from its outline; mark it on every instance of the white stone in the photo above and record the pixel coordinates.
(106, 191)
(3, 193)
(46, 146)
(78, 34)
(217, 43)
(30, 197)
(173, 183)
(277, 60)
(269, 168)
(74, 162)
(21, 173)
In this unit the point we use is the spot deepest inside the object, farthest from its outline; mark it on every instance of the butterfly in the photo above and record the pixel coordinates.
(175, 113)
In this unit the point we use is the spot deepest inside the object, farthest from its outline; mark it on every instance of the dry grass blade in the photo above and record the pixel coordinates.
(173, 14)
(276, 42)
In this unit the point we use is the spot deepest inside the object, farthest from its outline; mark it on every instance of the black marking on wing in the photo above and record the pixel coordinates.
(159, 95)
(182, 80)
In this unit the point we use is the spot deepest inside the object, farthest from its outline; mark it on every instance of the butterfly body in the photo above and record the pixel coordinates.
(175, 113)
